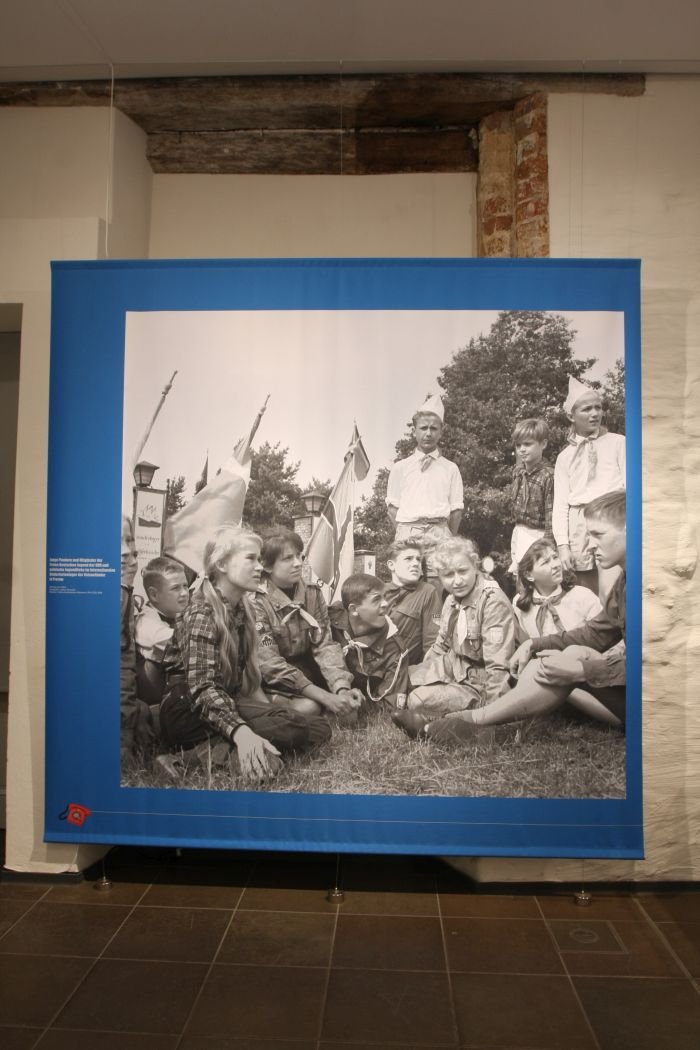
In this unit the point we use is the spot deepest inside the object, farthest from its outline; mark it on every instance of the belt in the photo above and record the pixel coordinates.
(424, 522)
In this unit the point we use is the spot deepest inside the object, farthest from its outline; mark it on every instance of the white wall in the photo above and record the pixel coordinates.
(268, 216)
(54, 188)
(625, 182)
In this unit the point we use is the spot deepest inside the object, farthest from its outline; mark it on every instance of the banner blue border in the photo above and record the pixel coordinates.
(90, 301)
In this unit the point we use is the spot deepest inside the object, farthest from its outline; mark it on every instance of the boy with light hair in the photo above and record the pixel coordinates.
(425, 495)
(592, 464)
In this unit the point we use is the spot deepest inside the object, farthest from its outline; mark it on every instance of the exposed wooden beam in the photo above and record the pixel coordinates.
(322, 152)
(238, 103)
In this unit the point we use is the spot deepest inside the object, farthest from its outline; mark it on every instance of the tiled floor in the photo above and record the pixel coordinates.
(244, 952)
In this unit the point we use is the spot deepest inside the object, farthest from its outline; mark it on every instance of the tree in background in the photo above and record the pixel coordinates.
(373, 529)
(519, 369)
(273, 496)
(174, 494)
(612, 390)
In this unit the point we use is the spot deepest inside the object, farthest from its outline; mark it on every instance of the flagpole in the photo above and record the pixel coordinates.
(243, 447)
(142, 444)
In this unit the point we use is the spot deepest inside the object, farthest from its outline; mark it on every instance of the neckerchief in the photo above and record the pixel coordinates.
(295, 607)
(547, 604)
(586, 444)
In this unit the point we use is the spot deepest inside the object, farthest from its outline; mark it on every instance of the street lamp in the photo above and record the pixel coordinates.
(314, 502)
(143, 474)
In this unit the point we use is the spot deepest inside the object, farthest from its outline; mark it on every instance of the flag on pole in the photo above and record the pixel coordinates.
(220, 502)
(203, 477)
(331, 550)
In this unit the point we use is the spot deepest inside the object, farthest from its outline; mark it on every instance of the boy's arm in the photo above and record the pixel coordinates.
(599, 634)
(456, 501)
(393, 493)
(549, 505)
(560, 502)
(498, 643)
(327, 653)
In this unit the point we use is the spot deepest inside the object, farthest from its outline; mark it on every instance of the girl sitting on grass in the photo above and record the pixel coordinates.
(213, 691)
(550, 601)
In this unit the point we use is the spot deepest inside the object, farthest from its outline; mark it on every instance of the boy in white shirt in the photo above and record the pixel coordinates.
(592, 464)
(425, 495)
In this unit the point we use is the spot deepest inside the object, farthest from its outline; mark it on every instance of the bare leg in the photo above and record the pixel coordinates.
(527, 699)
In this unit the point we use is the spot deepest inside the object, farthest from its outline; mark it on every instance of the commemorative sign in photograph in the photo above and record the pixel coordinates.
(378, 585)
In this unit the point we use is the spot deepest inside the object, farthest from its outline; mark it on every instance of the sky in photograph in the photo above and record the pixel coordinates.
(322, 369)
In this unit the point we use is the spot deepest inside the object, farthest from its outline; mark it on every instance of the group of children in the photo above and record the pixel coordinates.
(255, 663)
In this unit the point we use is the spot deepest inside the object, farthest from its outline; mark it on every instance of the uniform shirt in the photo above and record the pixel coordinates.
(475, 642)
(378, 662)
(573, 608)
(532, 497)
(416, 613)
(419, 494)
(605, 634)
(291, 652)
(152, 633)
(193, 653)
(585, 469)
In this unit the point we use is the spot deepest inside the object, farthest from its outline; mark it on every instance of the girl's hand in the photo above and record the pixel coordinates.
(567, 561)
(258, 758)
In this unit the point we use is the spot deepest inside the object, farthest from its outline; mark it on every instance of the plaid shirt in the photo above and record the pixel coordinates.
(194, 654)
(532, 497)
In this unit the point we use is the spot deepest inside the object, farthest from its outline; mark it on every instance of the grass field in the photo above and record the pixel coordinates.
(553, 757)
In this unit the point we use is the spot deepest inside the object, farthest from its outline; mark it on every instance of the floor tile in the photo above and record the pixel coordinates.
(64, 929)
(385, 1007)
(33, 988)
(602, 906)
(388, 943)
(281, 898)
(134, 996)
(262, 938)
(389, 902)
(121, 893)
(500, 945)
(18, 1038)
(683, 906)
(638, 1014)
(197, 1042)
(256, 1003)
(519, 1013)
(22, 891)
(178, 934)
(615, 949)
(11, 911)
(195, 888)
(58, 1039)
(489, 906)
(684, 938)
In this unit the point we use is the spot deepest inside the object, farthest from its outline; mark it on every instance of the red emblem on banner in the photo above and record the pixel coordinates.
(75, 814)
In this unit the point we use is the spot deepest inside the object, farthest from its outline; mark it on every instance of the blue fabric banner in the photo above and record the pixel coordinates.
(229, 697)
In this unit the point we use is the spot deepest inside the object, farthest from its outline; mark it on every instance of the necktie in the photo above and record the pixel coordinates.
(425, 462)
(459, 624)
(548, 605)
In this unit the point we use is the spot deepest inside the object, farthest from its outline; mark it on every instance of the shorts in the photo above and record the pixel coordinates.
(428, 534)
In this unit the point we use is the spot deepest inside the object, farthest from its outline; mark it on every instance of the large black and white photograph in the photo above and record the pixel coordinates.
(374, 552)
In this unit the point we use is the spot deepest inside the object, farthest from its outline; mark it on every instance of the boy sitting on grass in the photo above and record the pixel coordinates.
(167, 596)
(370, 642)
(468, 665)
(412, 604)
